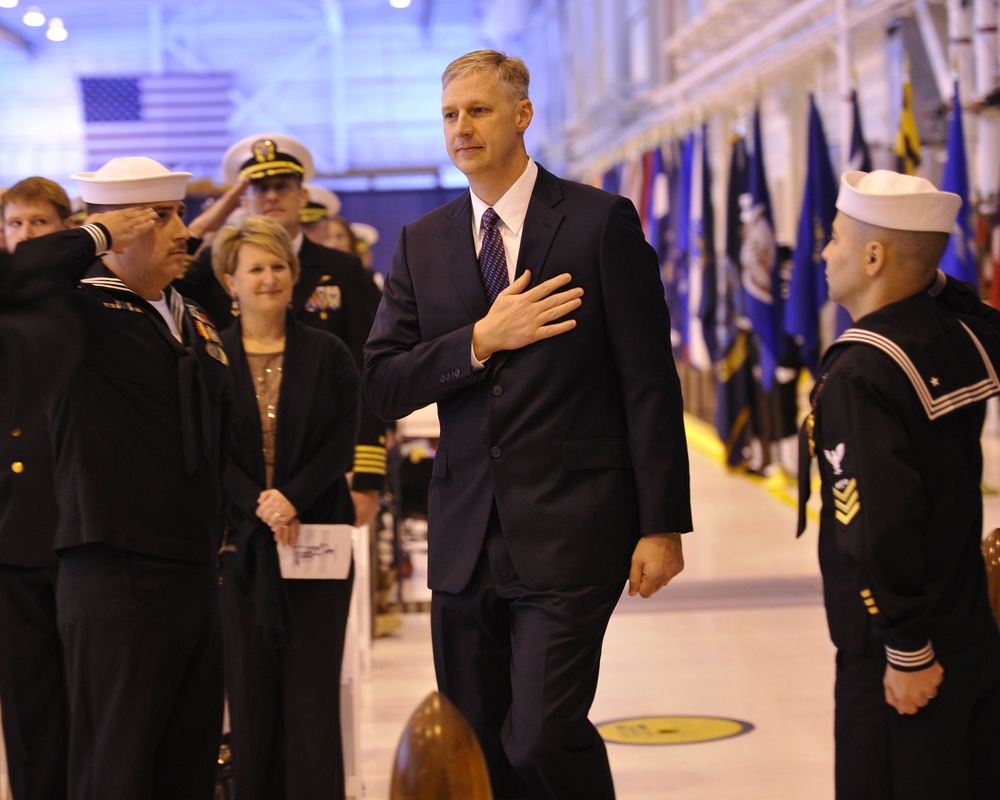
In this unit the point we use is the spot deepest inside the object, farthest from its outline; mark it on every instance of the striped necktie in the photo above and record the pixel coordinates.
(492, 259)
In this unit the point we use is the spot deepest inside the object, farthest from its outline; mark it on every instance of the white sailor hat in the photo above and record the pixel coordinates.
(365, 233)
(132, 179)
(900, 202)
(266, 154)
(322, 204)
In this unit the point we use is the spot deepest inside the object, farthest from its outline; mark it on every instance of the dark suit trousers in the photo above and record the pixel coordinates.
(948, 749)
(143, 649)
(284, 703)
(522, 666)
(32, 684)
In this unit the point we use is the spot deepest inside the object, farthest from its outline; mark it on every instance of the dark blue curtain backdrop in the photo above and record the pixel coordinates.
(388, 211)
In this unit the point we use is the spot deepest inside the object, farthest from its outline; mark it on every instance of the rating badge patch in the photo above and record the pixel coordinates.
(846, 500)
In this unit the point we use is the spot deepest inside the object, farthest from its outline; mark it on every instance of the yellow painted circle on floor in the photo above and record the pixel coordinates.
(671, 730)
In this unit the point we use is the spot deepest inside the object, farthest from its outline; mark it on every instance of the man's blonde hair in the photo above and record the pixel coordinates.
(264, 232)
(510, 72)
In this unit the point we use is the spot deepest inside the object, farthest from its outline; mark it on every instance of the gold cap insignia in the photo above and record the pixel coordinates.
(264, 150)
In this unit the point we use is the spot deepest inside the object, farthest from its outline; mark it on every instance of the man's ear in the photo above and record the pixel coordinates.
(874, 258)
(524, 113)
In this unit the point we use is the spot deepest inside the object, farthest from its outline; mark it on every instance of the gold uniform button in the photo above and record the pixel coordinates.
(323, 315)
(17, 467)
(16, 432)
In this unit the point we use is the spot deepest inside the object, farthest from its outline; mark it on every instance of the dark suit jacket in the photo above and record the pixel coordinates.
(317, 419)
(579, 439)
(314, 448)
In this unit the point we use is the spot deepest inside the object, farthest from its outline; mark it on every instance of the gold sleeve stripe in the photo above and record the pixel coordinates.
(369, 459)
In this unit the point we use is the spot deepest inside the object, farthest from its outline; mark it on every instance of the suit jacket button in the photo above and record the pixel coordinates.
(497, 390)
(16, 432)
(443, 377)
(495, 452)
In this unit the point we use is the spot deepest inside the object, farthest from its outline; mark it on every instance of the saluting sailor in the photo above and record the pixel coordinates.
(138, 462)
(897, 415)
(331, 293)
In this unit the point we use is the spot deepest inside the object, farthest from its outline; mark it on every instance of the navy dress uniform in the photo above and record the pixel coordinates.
(32, 682)
(39, 333)
(138, 440)
(895, 426)
(331, 294)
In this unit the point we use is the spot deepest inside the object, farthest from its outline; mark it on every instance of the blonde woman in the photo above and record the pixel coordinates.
(295, 393)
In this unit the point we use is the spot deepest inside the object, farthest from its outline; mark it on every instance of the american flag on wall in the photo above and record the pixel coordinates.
(181, 120)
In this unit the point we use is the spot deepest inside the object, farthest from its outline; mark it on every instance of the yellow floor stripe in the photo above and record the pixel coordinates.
(705, 439)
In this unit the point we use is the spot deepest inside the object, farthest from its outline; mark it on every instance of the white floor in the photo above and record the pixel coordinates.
(740, 634)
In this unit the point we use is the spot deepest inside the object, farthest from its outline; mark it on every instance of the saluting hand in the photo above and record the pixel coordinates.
(126, 224)
(214, 215)
(518, 317)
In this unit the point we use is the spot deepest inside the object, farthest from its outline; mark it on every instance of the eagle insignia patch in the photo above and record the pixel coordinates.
(835, 457)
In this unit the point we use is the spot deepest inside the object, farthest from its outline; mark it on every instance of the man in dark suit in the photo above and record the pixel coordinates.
(562, 469)
(266, 172)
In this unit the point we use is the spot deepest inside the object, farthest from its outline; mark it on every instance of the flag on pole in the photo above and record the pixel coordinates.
(657, 200)
(611, 180)
(675, 271)
(907, 137)
(758, 259)
(703, 292)
(807, 291)
(861, 157)
(734, 370)
(959, 259)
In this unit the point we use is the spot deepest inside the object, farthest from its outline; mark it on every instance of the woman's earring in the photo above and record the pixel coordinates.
(234, 309)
